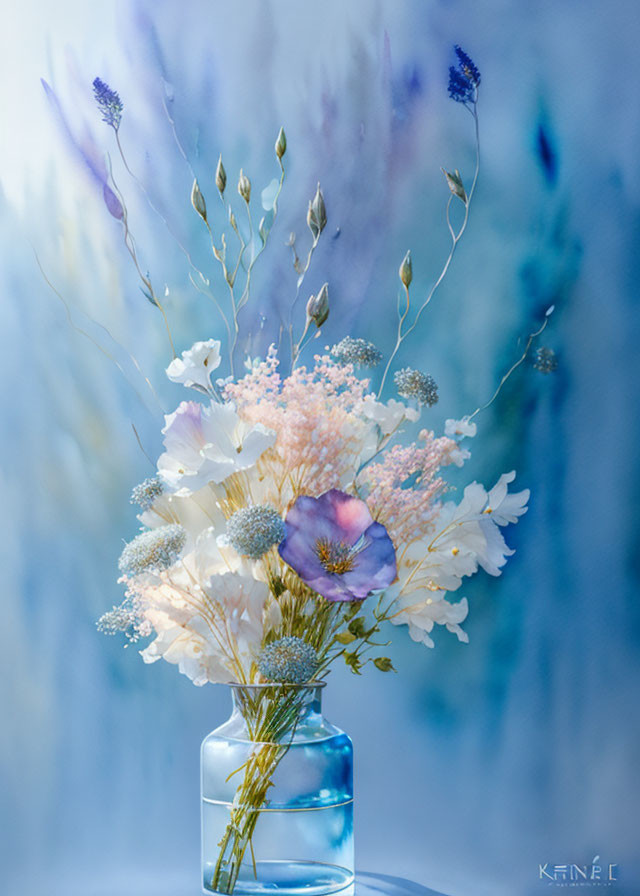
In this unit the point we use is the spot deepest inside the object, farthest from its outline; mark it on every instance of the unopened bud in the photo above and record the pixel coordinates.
(244, 186)
(318, 306)
(197, 201)
(317, 214)
(454, 182)
(406, 270)
(281, 144)
(221, 177)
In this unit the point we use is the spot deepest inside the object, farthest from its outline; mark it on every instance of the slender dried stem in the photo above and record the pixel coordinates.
(456, 236)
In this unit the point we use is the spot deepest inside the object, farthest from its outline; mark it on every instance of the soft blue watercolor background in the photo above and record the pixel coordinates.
(477, 762)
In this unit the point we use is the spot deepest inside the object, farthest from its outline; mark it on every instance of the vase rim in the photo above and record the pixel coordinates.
(308, 685)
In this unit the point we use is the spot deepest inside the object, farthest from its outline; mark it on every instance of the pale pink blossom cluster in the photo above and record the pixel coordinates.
(316, 415)
(401, 489)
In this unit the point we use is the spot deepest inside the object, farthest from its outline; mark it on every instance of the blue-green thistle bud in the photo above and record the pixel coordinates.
(153, 550)
(255, 530)
(146, 493)
(289, 660)
(121, 619)
(415, 384)
(545, 360)
(356, 351)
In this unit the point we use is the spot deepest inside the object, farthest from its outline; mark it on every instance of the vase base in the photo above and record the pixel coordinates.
(283, 878)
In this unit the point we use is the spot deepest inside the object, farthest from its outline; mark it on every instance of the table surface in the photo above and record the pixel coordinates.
(384, 885)
(367, 884)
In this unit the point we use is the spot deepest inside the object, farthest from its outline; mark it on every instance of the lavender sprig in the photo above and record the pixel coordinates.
(109, 103)
(464, 79)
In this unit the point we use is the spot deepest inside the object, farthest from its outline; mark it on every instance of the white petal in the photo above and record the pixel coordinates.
(460, 428)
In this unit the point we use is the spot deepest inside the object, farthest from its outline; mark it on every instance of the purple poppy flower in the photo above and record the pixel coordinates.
(335, 546)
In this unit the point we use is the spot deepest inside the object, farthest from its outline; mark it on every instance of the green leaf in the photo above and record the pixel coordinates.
(353, 609)
(277, 586)
(356, 627)
(384, 664)
(351, 659)
(345, 638)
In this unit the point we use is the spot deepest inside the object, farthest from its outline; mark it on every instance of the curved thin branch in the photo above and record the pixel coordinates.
(455, 239)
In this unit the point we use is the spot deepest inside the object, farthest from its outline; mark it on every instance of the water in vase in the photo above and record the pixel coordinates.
(302, 841)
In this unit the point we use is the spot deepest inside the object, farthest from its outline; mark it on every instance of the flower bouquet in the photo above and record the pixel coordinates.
(295, 511)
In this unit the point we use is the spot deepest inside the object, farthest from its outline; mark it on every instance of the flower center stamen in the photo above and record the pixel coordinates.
(335, 556)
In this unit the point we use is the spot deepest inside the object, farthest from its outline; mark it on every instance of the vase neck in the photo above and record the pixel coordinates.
(277, 709)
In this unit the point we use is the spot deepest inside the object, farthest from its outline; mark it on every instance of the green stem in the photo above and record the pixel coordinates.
(271, 720)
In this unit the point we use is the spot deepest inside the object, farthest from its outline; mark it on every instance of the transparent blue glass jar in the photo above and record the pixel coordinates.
(277, 797)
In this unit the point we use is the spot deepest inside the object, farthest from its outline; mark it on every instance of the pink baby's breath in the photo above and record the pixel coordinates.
(407, 512)
(315, 415)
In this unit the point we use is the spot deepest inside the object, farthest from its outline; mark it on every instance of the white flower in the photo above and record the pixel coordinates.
(195, 366)
(463, 537)
(188, 647)
(421, 611)
(243, 601)
(471, 528)
(194, 512)
(175, 612)
(503, 507)
(457, 456)
(457, 541)
(439, 612)
(460, 428)
(206, 618)
(209, 558)
(208, 444)
(388, 416)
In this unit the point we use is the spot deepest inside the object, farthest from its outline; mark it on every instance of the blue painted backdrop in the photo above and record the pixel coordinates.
(477, 762)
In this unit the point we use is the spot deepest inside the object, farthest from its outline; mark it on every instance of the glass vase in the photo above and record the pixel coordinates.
(277, 797)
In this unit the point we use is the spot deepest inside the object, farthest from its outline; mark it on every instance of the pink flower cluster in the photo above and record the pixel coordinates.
(314, 413)
(402, 488)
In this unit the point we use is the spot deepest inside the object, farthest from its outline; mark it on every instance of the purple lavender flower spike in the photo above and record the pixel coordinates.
(335, 546)
(464, 79)
(108, 102)
(88, 152)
